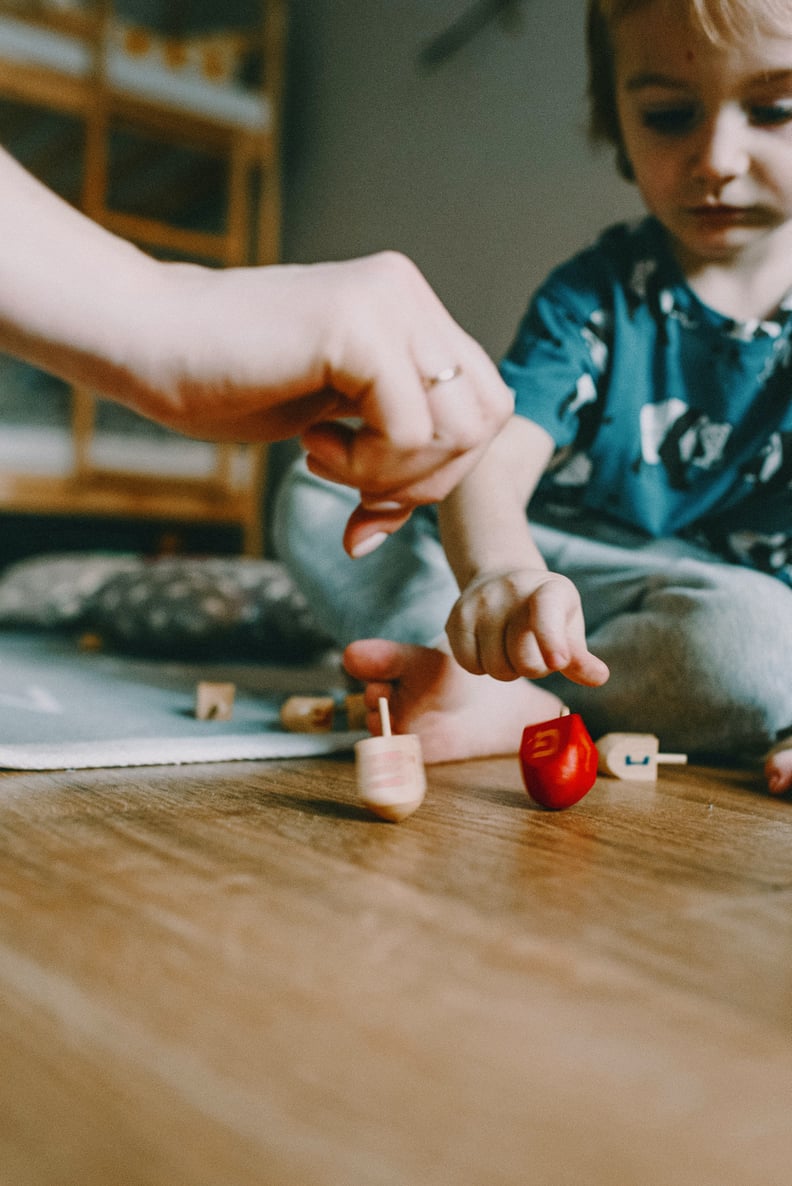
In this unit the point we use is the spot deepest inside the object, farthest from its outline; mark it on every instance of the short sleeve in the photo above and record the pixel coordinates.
(557, 359)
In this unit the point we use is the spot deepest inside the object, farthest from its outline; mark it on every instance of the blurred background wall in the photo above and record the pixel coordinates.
(479, 168)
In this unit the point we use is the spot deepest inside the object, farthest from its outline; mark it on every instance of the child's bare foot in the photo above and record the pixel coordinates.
(456, 715)
(778, 769)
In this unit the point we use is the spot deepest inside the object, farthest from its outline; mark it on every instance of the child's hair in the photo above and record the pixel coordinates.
(719, 20)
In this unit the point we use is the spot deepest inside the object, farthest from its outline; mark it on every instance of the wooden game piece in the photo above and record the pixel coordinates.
(308, 714)
(390, 771)
(559, 761)
(214, 701)
(356, 711)
(90, 641)
(633, 756)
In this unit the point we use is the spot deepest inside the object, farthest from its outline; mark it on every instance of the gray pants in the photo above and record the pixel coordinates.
(700, 651)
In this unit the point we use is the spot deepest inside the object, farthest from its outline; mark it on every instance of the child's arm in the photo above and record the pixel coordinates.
(513, 617)
(253, 353)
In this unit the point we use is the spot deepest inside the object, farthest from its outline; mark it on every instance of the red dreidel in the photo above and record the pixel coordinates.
(390, 771)
(559, 761)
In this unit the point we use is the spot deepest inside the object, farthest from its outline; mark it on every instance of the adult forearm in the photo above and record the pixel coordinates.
(68, 289)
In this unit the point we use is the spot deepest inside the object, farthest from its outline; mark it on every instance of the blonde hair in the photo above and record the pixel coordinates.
(722, 21)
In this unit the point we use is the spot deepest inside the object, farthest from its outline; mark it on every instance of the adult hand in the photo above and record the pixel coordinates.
(252, 354)
(425, 397)
(360, 359)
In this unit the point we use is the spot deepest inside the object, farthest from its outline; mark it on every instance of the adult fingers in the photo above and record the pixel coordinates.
(381, 473)
(419, 429)
(367, 529)
(411, 357)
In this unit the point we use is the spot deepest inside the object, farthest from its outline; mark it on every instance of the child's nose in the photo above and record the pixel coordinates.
(721, 151)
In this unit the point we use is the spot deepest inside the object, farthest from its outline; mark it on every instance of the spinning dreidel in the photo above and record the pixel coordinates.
(633, 755)
(559, 761)
(390, 771)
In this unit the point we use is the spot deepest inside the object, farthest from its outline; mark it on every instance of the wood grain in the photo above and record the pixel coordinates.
(234, 975)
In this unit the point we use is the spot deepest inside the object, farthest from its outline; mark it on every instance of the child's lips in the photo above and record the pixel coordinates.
(721, 213)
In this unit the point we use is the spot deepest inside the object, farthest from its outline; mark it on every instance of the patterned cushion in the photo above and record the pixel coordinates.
(57, 590)
(171, 607)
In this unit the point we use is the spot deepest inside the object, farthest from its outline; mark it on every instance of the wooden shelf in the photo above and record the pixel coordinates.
(75, 65)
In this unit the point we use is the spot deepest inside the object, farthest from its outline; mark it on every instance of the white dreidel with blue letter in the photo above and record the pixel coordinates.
(633, 755)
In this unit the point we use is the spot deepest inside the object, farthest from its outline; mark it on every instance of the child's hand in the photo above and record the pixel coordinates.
(527, 622)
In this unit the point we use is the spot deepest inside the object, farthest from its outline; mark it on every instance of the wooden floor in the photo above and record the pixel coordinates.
(232, 976)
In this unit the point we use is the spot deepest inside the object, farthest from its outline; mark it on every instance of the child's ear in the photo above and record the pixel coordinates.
(624, 164)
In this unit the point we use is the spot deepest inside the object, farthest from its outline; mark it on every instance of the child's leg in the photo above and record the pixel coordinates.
(456, 715)
(700, 654)
(699, 651)
(404, 590)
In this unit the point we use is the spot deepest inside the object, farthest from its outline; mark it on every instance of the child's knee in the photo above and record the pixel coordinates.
(702, 659)
(730, 637)
(404, 590)
(309, 517)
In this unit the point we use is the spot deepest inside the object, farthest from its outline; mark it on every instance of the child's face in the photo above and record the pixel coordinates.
(708, 131)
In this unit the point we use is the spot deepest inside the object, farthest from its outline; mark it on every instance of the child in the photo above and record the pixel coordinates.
(652, 439)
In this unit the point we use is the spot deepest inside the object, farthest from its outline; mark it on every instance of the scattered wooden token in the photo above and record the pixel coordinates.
(308, 714)
(633, 755)
(356, 711)
(214, 701)
(559, 761)
(90, 641)
(390, 771)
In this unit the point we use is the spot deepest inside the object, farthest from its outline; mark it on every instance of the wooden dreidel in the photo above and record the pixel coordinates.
(308, 714)
(559, 761)
(214, 701)
(390, 771)
(633, 755)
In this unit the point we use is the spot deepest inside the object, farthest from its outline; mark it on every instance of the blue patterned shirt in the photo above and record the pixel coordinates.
(668, 417)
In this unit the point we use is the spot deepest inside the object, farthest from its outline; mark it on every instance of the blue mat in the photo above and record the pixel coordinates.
(65, 708)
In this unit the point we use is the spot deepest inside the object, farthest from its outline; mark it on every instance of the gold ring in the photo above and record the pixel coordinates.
(444, 376)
